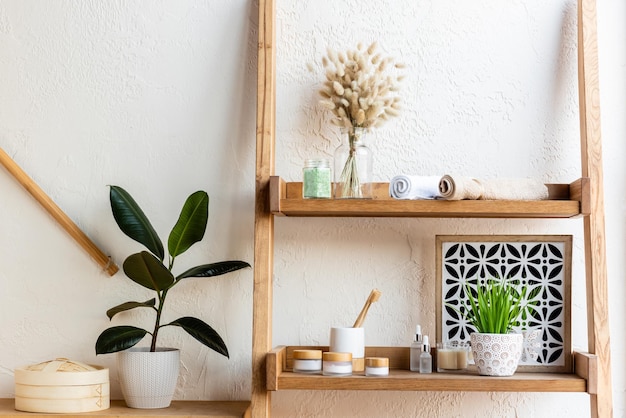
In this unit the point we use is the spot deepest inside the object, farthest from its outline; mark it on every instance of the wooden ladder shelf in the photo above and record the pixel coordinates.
(582, 198)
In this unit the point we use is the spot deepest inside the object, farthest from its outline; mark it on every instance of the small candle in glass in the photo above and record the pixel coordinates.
(452, 356)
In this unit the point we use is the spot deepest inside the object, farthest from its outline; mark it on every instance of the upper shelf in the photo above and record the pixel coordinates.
(566, 201)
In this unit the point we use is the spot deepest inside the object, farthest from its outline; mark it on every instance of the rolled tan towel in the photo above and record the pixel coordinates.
(459, 188)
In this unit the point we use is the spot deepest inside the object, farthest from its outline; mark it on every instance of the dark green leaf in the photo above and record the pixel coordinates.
(145, 269)
(130, 305)
(202, 332)
(133, 222)
(191, 224)
(214, 269)
(119, 338)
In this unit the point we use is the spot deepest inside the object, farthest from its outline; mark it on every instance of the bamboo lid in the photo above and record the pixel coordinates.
(376, 362)
(333, 356)
(61, 371)
(307, 354)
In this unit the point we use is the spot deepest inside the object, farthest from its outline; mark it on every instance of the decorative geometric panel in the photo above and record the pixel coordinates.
(542, 263)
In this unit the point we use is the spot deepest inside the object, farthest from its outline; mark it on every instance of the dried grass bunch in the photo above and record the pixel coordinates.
(361, 87)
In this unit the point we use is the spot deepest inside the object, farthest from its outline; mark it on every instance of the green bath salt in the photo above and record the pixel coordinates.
(316, 183)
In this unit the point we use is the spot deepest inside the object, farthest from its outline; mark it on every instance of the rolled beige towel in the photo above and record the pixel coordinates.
(459, 188)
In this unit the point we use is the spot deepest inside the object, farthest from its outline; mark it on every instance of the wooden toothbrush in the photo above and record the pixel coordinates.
(373, 297)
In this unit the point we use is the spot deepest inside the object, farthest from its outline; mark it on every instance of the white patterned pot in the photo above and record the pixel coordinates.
(148, 379)
(496, 354)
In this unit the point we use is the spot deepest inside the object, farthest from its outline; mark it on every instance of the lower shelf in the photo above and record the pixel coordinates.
(280, 376)
(178, 409)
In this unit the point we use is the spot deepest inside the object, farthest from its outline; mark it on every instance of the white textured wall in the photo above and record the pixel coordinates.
(159, 97)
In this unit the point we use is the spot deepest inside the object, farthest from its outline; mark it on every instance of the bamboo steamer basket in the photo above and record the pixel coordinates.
(62, 386)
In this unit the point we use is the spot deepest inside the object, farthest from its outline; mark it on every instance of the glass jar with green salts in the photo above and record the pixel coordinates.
(316, 183)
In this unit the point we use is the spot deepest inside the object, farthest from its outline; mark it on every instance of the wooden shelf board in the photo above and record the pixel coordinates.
(280, 376)
(405, 380)
(566, 201)
(178, 409)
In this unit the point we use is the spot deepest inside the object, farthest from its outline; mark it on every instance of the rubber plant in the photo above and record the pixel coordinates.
(152, 271)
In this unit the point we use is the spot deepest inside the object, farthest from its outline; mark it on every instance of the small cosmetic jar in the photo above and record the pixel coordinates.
(452, 356)
(316, 176)
(307, 361)
(376, 366)
(336, 364)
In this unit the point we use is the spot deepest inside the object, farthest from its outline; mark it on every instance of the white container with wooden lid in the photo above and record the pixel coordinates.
(61, 386)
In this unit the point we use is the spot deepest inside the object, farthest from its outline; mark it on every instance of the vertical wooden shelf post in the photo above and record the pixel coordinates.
(594, 229)
(264, 220)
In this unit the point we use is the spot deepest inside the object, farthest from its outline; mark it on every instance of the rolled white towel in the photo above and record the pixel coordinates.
(414, 187)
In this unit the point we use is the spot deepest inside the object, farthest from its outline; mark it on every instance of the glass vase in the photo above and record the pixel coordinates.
(353, 166)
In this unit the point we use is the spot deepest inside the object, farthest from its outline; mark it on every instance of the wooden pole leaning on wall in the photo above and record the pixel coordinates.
(56, 212)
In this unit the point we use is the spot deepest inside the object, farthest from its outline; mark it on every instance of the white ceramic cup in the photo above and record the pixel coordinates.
(349, 340)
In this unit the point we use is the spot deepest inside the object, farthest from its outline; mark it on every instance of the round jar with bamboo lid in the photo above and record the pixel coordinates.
(307, 361)
(336, 364)
(376, 366)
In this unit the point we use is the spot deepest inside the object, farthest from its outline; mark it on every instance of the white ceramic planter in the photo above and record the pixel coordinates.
(496, 354)
(148, 379)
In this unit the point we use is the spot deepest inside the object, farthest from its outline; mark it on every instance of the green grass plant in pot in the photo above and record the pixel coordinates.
(494, 309)
(153, 271)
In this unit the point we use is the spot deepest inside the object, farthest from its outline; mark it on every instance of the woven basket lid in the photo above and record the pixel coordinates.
(61, 371)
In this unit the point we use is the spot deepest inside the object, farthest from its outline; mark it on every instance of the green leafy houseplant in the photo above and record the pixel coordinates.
(495, 307)
(149, 270)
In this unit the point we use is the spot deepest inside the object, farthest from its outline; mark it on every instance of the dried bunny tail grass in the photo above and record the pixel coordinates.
(360, 117)
(328, 104)
(358, 88)
(354, 106)
(372, 48)
(331, 54)
(338, 88)
(390, 111)
(325, 94)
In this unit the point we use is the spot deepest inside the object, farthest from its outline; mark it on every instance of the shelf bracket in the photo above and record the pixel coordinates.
(586, 366)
